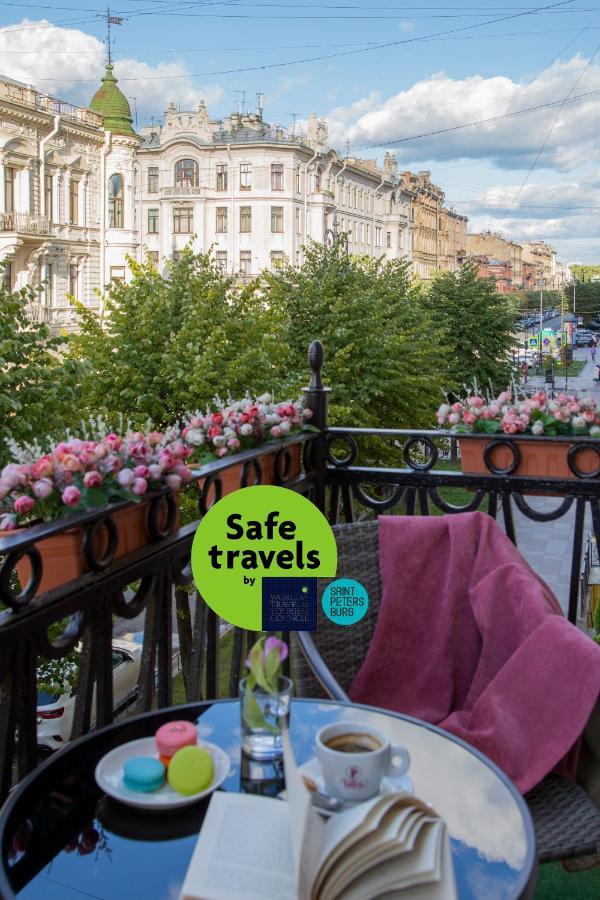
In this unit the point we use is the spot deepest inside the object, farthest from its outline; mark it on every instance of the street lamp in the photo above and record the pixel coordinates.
(332, 235)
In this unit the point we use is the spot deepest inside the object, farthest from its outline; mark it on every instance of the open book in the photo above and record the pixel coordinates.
(257, 847)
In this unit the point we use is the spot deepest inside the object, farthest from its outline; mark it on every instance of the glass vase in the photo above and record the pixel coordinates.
(261, 717)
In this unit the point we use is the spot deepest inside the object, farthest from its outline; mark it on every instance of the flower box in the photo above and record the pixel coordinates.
(136, 526)
(539, 459)
(231, 478)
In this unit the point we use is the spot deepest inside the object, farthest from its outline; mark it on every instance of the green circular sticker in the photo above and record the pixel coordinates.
(256, 557)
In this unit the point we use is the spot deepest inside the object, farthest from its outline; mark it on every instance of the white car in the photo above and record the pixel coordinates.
(55, 711)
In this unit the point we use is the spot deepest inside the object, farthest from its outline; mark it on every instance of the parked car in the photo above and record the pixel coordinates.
(584, 339)
(55, 710)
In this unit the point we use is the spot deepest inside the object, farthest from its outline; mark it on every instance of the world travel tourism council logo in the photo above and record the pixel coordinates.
(257, 555)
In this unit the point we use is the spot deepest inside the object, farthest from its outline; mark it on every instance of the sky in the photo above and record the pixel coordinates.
(500, 102)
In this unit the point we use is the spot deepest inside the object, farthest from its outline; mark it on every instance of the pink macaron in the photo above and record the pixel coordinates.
(172, 736)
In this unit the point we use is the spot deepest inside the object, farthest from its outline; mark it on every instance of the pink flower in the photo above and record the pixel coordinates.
(5, 488)
(184, 473)
(126, 477)
(70, 462)
(140, 486)
(233, 444)
(113, 442)
(307, 413)
(166, 459)
(273, 643)
(71, 495)
(454, 418)
(457, 407)
(221, 451)
(24, 504)
(155, 472)
(14, 475)
(141, 471)
(276, 431)
(8, 523)
(42, 488)
(469, 418)
(92, 479)
(173, 481)
(42, 467)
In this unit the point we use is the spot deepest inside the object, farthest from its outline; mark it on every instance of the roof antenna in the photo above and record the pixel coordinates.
(242, 103)
(110, 20)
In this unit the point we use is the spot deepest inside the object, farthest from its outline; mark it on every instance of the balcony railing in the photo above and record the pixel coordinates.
(25, 223)
(182, 190)
(340, 476)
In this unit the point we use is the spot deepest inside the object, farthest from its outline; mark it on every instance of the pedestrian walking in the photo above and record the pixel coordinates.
(593, 350)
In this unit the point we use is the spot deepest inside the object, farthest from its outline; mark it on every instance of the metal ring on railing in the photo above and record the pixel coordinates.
(572, 452)
(352, 450)
(95, 562)
(425, 442)
(67, 641)
(537, 515)
(156, 509)
(493, 445)
(471, 506)
(209, 481)
(8, 571)
(129, 609)
(282, 477)
(257, 473)
(372, 503)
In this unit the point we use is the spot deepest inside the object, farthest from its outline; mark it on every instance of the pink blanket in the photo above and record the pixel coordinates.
(471, 639)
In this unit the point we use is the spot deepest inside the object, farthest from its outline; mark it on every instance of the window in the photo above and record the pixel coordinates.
(276, 259)
(388, 239)
(354, 198)
(49, 284)
(153, 179)
(187, 173)
(368, 233)
(245, 219)
(73, 202)
(73, 280)
(183, 219)
(348, 196)
(7, 276)
(222, 260)
(117, 273)
(378, 237)
(9, 189)
(221, 227)
(245, 176)
(297, 179)
(221, 177)
(48, 196)
(362, 232)
(245, 262)
(277, 219)
(153, 221)
(153, 254)
(298, 221)
(115, 201)
(276, 176)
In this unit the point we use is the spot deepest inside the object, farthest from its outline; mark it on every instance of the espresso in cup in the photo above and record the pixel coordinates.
(355, 758)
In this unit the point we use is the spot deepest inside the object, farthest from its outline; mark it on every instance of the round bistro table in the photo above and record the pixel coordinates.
(63, 839)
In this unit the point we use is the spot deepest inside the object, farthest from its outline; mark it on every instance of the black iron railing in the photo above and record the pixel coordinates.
(342, 474)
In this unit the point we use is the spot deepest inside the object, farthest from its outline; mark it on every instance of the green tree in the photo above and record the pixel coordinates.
(477, 323)
(586, 301)
(37, 388)
(381, 345)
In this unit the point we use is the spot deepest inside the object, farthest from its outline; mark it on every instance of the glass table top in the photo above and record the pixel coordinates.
(63, 839)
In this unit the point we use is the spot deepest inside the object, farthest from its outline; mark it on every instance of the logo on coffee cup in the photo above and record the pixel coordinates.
(353, 781)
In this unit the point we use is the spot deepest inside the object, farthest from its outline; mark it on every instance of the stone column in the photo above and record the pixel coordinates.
(2, 198)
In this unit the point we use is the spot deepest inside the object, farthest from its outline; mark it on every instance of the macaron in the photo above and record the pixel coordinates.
(191, 770)
(143, 774)
(172, 736)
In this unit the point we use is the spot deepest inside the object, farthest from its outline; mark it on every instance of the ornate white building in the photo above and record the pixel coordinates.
(80, 192)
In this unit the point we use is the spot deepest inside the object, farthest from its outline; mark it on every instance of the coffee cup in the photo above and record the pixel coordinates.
(355, 758)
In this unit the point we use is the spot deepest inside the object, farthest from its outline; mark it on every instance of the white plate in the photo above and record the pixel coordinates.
(312, 770)
(109, 776)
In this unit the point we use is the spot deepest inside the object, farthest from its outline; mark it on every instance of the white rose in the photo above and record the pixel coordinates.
(264, 398)
(579, 422)
(195, 436)
(285, 426)
(246, 429)
(220, 440)
(537, 427)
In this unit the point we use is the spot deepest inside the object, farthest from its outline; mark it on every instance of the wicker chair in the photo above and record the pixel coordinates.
(324, 663)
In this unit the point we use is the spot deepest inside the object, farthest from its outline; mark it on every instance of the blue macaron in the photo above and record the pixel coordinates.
(143, 774)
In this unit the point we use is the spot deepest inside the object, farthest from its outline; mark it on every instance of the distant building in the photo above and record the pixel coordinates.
(530, 276)
(498, 269)
(543, 257)
(490, 244)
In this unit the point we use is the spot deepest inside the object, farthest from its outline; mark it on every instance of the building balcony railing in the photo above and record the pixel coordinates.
(419, 476)
(25, 223)
(182, 190)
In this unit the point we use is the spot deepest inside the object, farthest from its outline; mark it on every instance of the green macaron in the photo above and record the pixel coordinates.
(191, 770)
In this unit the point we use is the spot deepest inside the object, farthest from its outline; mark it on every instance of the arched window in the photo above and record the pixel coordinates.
(187, 173)
(115, 201)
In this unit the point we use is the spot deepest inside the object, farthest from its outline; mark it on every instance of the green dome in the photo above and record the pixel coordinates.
(110, 103)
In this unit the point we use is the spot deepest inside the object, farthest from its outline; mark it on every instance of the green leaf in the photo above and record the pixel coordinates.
(272, 664)
(256, 665)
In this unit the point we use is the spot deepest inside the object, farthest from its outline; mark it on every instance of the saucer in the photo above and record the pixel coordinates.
(311, 769)
(109, 776)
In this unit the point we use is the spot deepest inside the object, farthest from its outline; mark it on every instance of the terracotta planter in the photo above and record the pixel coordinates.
(231, 478)
(63, 555)
(539, 459)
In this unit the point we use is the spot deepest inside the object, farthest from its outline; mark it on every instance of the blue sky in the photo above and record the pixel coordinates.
(529, 174)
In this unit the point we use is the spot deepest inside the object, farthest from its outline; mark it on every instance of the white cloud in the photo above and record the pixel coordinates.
(440, 102)
(69, 63)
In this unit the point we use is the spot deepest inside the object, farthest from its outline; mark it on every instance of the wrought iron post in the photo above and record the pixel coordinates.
(317, 399)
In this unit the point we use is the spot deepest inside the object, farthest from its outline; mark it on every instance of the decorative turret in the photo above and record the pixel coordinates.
(112, 104)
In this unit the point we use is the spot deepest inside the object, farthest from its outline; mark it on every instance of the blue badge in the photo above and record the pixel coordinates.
(345, 601)
(289, 604)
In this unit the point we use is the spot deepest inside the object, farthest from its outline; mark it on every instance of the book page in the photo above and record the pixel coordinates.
(244, 850)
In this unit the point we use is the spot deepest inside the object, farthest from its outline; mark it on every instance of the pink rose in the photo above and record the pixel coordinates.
(70, 462)
(24, 505)
(112, 442)
(42, 488)
(71, 495)
(5, 488)
(126, 477)
(307, 413)
(222, 451)
(42, 467)
(469, 418)
(14, 475)
(276, 431)
(140, 486)
(155, 472)
(184, 473)
(454, 418)
(233, 443)
(166, 459)
(92, 479)
(173, 481)
(141, 471)
(456, 407)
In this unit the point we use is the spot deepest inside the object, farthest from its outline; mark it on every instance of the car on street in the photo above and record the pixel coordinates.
(55, 710)
(584, 339)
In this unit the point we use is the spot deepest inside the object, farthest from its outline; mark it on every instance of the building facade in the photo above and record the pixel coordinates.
(543, 257)
(493, 245)
(438, 234)
(498, 269)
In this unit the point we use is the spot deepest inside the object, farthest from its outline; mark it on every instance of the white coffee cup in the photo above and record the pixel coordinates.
(358, 775)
